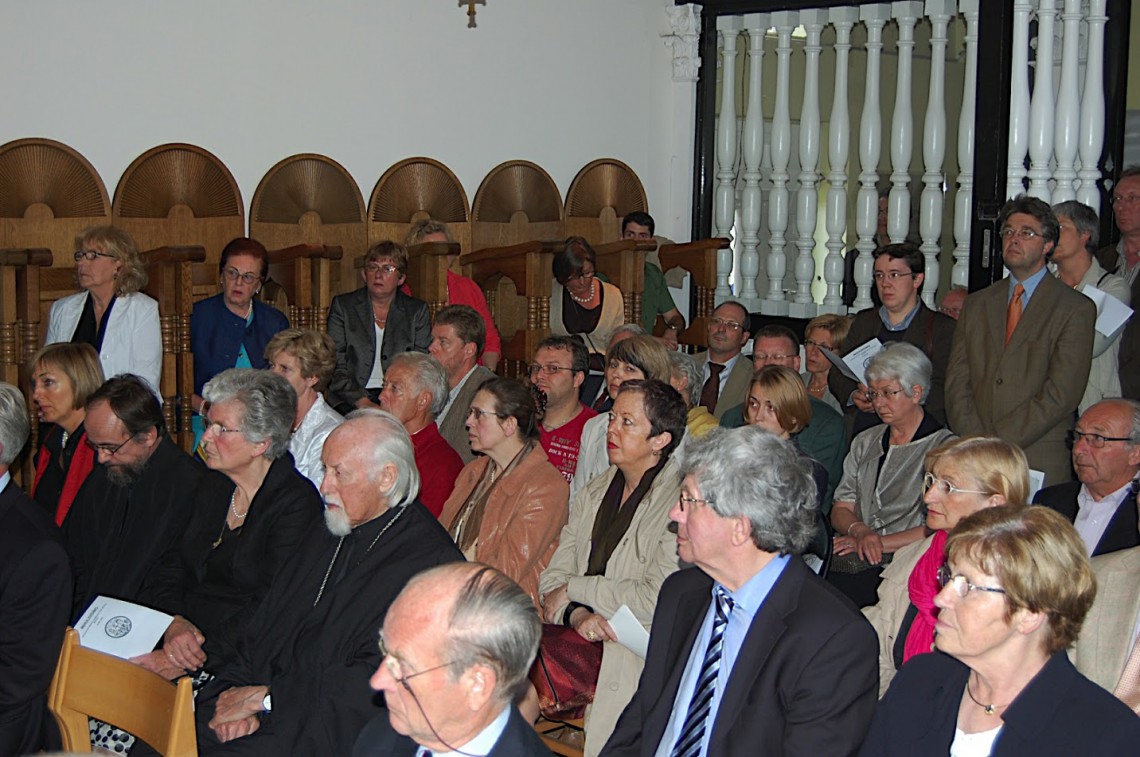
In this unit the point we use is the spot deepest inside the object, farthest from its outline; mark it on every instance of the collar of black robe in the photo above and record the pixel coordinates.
(347, 546)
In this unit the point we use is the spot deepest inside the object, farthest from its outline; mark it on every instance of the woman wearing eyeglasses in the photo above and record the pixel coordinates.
(246, 525)
(111, 314)
(825, 332)
(63, 377)
(372, 325)
(962, 477)
(1016, 588)
(580, 302)
(231, 329)
(509, 504)
(878, 503)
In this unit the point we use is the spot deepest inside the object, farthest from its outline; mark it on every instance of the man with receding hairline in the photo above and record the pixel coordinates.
(726, 373)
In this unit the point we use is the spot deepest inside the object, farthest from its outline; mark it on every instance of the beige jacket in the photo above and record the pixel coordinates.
(894, 599)
(1106, 635)
(634, 574)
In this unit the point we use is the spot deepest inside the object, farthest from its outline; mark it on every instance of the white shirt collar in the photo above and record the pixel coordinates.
(483, 742)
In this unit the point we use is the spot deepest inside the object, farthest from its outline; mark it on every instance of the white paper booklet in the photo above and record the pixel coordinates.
(631, 634)
(119, 628)
(853, 365)
(1111, 313)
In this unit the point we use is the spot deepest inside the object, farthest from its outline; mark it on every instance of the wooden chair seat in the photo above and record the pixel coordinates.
(92, 684)
(563, 737)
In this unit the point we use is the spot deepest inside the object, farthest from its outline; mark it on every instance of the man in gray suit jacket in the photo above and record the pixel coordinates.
(727, 335)
(457, 339)
(1019, 373)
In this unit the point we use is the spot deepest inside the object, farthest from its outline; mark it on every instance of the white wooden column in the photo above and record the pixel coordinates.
(1019, 100)
(1042, 109)
(838, 149)
(807, 199)
(902, 122)
(964, 199)
(724, 201)
(1067, 122)
(752, 149)
(683, 38)
(934, 148)
(779, 146)
(875, 17)
(1092, 108)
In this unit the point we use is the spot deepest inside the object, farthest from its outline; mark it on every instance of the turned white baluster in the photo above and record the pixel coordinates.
(902, 123)
(807, 198)
(838, 148)
(875, 17)
(1092, 108)
(964, 199)
(683, 38)
(724, 201)
(1042, 109)
(934, 147)
(752, 149)
(780, 146)
(1019, 100)
(1067, 123)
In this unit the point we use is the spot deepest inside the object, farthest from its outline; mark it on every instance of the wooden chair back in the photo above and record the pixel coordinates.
(92, 684)
(304, 273)
(603, 193)
(699, 259)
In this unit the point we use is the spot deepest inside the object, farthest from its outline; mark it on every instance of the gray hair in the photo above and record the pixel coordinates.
(628, 329)
(905, 363)
(14, 424)
(269, 405)
(1132, 407)
(428, 376)
(493, 622)
(1084, 221)
(778, 495)
(682, 364)
(387, 442)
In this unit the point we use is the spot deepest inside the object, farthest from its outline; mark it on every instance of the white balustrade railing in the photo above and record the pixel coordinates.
(752, 147)
(1042, 110)
(807, 198)
(724, 203)
(874, 17)
(775, 303)
(902, 122)
(964, 198)
(838, 148)
(1067, 121)
(934, 147)
(1018, 100)
(1092, 108)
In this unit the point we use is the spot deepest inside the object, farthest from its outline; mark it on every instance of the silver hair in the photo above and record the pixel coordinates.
(905, 363)
(627, 329)
(268, 403)
(493, 622)
(387, 442)
(1133, 410)
(682, 364)
(14, 423)
(1084, 220)
(428, 376)
(749, 472)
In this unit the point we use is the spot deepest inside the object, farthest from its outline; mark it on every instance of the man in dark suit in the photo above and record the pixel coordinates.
(35, 597)
(727, 334)
(467, 635)
(750, 651)
(378, 310)
(1106, 456)
(1023, 347)
(457, 339)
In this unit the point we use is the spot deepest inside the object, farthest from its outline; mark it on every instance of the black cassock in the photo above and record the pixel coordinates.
(317, 659)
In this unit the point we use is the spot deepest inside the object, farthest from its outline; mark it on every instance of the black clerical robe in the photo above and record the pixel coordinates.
(116, 535)
(317, 656)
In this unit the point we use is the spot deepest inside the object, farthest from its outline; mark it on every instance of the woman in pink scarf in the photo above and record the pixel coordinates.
(962, 477)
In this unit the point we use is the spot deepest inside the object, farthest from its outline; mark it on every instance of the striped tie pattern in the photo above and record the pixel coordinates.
(693, 731)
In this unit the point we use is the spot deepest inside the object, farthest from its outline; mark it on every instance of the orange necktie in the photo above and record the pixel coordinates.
(1013, 314)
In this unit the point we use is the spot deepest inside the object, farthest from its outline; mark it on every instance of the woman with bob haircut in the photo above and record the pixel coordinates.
(962, 477)
(64, 375)
(111, 313)
(580, 302)
(1016, 587)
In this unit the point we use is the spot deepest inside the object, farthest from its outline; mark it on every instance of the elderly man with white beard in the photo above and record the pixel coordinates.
(299, 682)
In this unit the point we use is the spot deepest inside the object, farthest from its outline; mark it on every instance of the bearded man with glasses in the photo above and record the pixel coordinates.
(1023, 347)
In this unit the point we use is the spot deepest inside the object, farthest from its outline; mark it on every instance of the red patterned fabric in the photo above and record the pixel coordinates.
(565, 673)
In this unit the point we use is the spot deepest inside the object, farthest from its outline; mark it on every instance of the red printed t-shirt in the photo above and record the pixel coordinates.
(561, 445)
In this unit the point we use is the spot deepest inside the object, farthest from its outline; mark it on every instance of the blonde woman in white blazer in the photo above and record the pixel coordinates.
(110, 272)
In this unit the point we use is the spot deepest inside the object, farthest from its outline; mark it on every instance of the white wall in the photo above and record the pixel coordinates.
(366, 82)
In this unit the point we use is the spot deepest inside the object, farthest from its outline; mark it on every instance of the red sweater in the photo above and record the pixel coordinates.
(439, 466)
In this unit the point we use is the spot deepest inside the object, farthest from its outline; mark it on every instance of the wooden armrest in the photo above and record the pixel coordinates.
(311, 251)
(515, 250)
(175, 254)
(40, 256)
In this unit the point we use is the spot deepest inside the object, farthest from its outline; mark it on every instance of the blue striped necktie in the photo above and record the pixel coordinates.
(693, 732)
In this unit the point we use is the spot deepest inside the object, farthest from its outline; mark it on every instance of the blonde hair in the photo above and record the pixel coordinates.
(645, 353)
(117, 243)
(785, 390)
(315, 351)
(79, 362)
(836, 325)
(996, 466)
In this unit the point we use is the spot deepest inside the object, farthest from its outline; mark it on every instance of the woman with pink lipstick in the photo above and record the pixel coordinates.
(63, 377)
(617, 548)
(962, 477)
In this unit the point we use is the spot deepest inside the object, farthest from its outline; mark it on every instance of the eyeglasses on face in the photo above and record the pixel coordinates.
(1024, 233)
(930, 481)
(375, 269)
(687, 503)
(581, 276)
(1128, 199)
(110, 450)
(90, 255)
(810, 343)
(233, 274)
(396, 669)
(547, 370)
(961, 585)
(721, 323)
(887, 394)
(479, 413)
(764, 357)
(891, 275)
(213, 427)
(1093, 440)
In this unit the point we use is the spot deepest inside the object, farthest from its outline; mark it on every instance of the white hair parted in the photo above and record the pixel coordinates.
(15, 425)
(386, 441)
(752, 473)
(905, 363)
(427, 376)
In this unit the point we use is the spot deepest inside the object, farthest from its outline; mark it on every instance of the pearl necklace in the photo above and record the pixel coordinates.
(234, 509)
(585, 300)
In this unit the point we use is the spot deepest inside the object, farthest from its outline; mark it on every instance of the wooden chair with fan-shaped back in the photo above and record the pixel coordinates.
(310, 215)
(517, 204)
(48, 194)
(410, 191)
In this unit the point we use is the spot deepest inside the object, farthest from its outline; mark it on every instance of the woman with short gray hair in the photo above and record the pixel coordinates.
(878, 503)
(686, 377)
(247, 524)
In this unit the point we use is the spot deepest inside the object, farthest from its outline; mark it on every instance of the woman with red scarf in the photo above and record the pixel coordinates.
(962, 477)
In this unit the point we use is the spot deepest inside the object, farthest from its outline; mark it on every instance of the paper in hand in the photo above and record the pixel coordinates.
(631, 634)
(119, 628)
(1111, 313)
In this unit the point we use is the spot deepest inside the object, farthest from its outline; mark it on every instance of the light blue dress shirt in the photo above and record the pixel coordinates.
(1030, 285)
